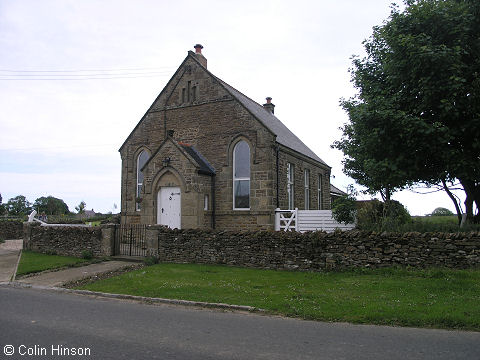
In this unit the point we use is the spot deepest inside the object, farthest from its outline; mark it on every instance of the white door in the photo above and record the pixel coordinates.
(168, 211)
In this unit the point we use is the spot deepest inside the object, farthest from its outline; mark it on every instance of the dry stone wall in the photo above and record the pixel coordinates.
(11, 229)
(68, 240)
(310, 251)
(319, 251)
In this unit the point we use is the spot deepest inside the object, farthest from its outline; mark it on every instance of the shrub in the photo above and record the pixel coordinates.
(369, 213)
(151, 260)
(87, 254)
(378, 216)
(344, 209)
(396, 212)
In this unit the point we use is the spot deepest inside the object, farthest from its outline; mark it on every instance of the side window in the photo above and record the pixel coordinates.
(241, 176)
(290, 185)
(320, 195)
(307, 189)
(141, 161)
(205, 202)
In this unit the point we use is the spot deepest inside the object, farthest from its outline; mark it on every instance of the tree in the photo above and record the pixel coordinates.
(440, 211)
(18, 206)
(3, 208)
(50, 206)
(81, 207)
(416, 116)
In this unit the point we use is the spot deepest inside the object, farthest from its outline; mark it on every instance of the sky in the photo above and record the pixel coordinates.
(77, 76)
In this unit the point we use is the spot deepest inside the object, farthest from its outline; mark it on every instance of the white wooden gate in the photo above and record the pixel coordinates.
(286, 220)
(307, 220)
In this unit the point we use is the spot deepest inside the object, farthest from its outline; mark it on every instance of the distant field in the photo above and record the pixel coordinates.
(452, 219)
(437, 224)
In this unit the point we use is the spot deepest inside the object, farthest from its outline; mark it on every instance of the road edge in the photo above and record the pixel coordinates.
(144, 299)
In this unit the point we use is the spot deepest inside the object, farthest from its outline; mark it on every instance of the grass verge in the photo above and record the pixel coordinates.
(32, 262)
(422, 298)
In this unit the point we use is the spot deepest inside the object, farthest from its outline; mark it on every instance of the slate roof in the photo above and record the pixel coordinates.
(284, 135)
(336, 191)
(205, 167)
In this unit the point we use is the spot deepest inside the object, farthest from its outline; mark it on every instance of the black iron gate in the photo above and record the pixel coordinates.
(130, 240)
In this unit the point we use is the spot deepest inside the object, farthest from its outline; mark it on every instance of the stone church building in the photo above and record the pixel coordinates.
(205, 155)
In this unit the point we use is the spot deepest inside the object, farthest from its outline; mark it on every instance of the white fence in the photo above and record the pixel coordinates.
(307, 220)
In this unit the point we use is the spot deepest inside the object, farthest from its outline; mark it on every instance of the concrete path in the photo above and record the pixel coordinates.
(57, 278)
(9, 252)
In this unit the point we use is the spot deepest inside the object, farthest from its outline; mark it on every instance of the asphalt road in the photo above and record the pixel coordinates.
(37, 320)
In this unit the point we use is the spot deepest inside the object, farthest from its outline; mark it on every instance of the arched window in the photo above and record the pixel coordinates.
(141, 161)
(241, 176)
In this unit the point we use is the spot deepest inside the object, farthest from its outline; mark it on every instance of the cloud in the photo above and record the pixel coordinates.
(98, 191)
(60, 137)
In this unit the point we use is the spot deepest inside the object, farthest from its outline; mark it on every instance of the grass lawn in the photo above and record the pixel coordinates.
(32, 262)
(422, 298)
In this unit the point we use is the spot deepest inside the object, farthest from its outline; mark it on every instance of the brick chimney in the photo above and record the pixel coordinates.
(199, 56)
(269, 106)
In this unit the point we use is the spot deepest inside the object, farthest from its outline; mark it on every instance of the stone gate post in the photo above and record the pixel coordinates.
(151, 239)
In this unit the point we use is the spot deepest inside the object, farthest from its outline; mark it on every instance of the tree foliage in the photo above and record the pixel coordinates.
(18, 206)
(416, 116)
(50, 206)
(440, 211)
(81, 207)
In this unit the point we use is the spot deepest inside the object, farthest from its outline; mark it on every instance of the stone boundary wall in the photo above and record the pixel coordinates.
(69, 240)
(11, 229)
(316, 251)
(310, 251)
